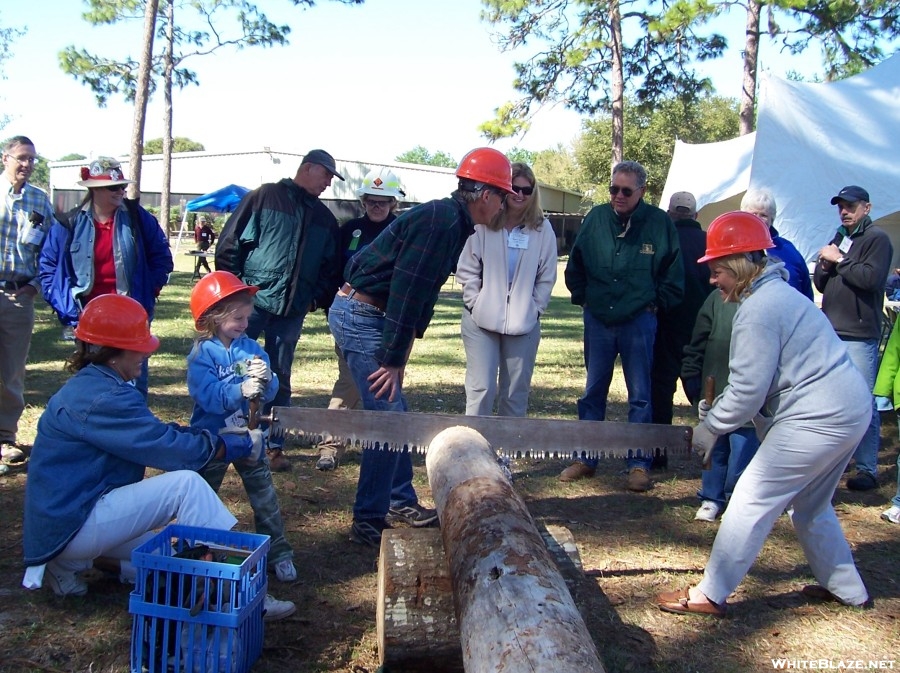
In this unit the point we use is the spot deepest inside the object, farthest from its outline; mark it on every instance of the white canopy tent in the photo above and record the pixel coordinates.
(811, 140)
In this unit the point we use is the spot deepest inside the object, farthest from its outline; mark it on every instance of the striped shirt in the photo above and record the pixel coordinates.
(20, 239)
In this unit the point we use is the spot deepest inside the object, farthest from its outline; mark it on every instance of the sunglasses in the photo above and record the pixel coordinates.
(115, 188)
(526, 191)
(380, 204)
(626, 191)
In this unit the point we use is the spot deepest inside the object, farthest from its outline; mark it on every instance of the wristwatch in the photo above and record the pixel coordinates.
(840, 259)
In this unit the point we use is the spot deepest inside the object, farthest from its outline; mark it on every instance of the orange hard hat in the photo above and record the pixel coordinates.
(734, 233)
(116, 321)
(487, 165)
(213, 288)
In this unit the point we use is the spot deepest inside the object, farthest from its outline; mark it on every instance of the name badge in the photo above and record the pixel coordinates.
(518, 239)
(845, 244)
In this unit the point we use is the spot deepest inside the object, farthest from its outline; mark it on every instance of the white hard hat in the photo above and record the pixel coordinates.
(381, 182)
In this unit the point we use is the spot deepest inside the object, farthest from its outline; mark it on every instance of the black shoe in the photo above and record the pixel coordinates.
(863, 481)
(415, 515)
(368, 532)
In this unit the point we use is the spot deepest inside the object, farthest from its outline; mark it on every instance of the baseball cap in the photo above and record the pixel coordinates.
(684, 200)
(322, 158)
(850, 193)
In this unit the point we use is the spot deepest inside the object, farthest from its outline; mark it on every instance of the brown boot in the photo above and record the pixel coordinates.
(330, 454)
(638, 480)
(576, 471)
(278, 462)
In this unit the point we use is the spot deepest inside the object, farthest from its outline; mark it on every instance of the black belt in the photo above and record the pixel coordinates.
(13, 285)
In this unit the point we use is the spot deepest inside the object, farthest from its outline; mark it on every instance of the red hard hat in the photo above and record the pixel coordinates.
(213, 288)
(116, 321)
(734, 233)
(487, 165)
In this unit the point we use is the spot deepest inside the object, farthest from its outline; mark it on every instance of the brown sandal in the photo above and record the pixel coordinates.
(679, 603)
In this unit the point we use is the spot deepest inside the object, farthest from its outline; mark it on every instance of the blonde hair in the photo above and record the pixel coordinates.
(744, 267)
(216, 314)
(533, 215)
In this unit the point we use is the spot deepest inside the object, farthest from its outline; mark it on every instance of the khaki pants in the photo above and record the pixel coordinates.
(16, 325)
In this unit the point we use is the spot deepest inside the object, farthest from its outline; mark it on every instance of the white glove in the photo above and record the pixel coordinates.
(258, 369)
(762, 424)
(702, 441)
(252, 387)
(703, 408)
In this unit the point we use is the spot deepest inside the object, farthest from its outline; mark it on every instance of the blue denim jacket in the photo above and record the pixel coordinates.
(95, 435)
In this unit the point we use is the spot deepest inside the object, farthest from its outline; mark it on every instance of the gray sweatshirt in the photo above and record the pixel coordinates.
(787, 362)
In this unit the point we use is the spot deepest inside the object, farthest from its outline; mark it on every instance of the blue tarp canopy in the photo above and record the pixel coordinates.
(220, 201)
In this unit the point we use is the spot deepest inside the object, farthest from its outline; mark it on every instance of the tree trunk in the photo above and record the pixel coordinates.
(618, 85)
(165, 195)
(751, 62)
(142, 95)
(512, 605)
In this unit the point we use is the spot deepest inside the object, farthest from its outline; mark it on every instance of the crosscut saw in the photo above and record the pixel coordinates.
(509, 436)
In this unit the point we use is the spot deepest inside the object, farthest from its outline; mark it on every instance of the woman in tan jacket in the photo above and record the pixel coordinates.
(507, 270)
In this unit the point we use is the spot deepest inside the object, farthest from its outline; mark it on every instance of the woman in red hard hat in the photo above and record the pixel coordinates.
(86, 496)
(785, 368)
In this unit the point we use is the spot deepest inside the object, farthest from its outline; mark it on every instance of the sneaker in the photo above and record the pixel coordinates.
(638, 480)
(11, 453)
(414, 515)
(892, 514)
(285, 571)
(274, 609)
(576, 471)
(708, 511)
(863, 481)
(62, 577)
(277, 461)
(368, 532)
(330, 454)
(68, 333)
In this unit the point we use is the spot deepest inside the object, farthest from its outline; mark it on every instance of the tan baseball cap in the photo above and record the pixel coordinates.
(683, 200)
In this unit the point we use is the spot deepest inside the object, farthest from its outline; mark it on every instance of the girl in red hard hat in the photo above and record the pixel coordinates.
(791, 375)
(226, 370)
(86, 496)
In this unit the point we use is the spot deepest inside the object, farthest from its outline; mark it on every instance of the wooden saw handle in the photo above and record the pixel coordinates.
(709, 394)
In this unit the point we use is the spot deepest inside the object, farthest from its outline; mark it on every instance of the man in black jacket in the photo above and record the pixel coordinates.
(283, 239)
(850, 274)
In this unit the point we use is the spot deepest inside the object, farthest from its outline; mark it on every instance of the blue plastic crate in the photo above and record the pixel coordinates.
(196, 616)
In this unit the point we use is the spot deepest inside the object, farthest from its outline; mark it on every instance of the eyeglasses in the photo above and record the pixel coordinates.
(526, 191)
(499, 193)
(626, 191)
(115, 188)
(24, 161)
(378, 204)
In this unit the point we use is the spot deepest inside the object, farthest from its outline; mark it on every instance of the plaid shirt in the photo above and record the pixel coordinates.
(406, 265)
(19, 260)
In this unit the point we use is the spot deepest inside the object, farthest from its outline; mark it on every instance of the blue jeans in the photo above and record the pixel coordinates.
(385, 477)
(864, 355)
(730, 455)
(282, 335)
(632, 341)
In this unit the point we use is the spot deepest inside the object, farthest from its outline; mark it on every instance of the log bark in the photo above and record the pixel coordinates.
(512, 605)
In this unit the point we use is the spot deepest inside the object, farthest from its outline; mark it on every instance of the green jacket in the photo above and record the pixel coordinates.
(887, 383)
(708, 352)
(283, 240)
(615, 275)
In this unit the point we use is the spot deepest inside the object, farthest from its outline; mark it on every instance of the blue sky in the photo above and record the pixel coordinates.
(365, 82)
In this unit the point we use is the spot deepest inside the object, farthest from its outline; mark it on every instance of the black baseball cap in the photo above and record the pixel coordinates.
(322, 158)
(851, 194)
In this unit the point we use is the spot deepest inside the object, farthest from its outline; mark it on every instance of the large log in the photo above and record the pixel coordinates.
(513, 609)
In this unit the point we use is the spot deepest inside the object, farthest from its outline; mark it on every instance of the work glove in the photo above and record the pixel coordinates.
(258, 369)
(762, 424)
(883, 403)
(252, 387)
(691, 386)
(702, 442)
(242, 444)
(703, 408)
